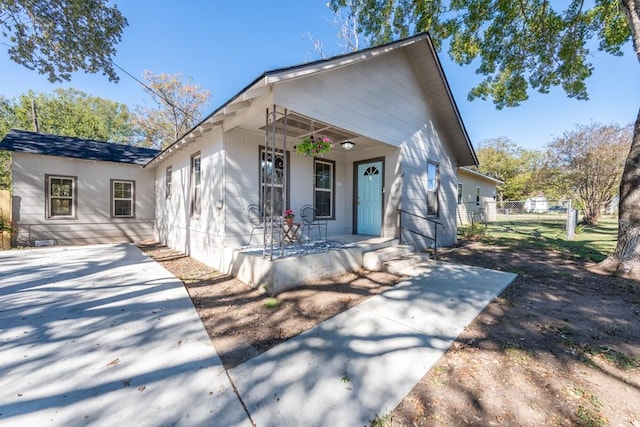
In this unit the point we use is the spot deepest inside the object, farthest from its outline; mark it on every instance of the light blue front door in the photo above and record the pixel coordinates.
(369, 200)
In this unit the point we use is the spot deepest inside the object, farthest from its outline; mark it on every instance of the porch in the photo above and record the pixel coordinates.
(293, 264)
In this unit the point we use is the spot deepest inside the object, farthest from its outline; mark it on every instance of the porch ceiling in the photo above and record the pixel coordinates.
(299, 127)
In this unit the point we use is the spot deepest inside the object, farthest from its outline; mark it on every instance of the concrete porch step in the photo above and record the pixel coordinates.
(374, 259)
(396, 265)
(377, 243)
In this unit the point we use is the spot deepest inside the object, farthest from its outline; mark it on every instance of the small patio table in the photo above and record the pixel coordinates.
(290, 232)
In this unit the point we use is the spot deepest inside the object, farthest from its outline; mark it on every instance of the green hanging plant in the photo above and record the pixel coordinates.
(311, 146)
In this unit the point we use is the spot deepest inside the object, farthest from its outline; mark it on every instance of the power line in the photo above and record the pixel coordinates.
(143, 84)
(153, 91)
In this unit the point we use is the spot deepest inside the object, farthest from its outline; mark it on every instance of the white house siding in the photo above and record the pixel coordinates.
(383, 99)
(200, 237)
(93, 222)
(468, 208)
(242, 183)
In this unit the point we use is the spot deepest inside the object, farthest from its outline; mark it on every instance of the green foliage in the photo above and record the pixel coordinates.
(5, 226)
(67, 112)
(62, 37)
(504, 160)
(5, 170)
(272, 302)
(71, 112)
(518, 46)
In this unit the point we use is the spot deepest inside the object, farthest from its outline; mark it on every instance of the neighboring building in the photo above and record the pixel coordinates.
(476, 196)
(75, 191)
(537, 204)
(390, 103)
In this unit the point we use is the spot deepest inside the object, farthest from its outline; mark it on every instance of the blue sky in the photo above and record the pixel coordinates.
(224, 46)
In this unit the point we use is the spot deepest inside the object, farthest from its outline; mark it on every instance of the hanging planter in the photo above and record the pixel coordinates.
(315, 146)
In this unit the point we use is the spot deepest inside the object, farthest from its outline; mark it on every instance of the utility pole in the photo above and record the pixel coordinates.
(34, 113)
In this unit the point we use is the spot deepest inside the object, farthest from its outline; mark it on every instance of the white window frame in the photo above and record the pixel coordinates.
(196, 185)
(433, 186)
(330, 190)
(167, 182)
(282, 183)
(51, 197)
(131, 199)
(477, 196)
(460, 193)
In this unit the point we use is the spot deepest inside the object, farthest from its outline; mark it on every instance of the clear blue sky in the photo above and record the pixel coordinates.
(224, 46)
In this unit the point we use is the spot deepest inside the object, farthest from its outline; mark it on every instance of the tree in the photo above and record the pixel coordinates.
(515, 166)
(178, 108)
(67, 112)
(525, 45)
(588, 163)
(74, 113)
(62, 37)
(6, 119)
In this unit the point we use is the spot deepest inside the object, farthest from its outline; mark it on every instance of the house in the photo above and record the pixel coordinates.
(398, 143)
(76, 191)
(476, 196)
(537, 204)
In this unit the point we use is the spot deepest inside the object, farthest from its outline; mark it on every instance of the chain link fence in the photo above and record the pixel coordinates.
(524, 216)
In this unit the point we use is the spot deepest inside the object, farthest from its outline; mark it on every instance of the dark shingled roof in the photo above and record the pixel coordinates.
(65, 146)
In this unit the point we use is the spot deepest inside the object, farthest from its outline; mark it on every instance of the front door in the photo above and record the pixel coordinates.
(369, 198)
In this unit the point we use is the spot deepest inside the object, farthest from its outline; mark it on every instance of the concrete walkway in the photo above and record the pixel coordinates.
(364, 361)
(103, 336)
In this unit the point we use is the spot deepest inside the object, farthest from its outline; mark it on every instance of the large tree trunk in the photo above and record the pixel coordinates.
(625, 260)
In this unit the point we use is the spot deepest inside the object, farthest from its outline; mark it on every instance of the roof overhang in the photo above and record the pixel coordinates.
(425, 60)
(480, 175)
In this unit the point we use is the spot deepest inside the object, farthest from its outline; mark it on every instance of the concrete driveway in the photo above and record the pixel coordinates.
(103, 336)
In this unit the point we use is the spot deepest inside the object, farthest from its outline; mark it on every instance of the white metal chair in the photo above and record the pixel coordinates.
(310, 220)
(255, 219)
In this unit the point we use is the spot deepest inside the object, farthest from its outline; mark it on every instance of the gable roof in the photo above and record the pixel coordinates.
(64, 146)
(424, 57)
(480, 175)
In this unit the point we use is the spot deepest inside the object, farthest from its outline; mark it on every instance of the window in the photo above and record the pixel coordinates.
(60, 196)
(196, 185)
(433, 184)
(167, 182)
(477, 196)
(459, 193)
(122, 199)
(324, 188)
(272, 182)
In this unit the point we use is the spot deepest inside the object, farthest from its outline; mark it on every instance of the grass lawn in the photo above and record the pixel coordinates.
(590, 243)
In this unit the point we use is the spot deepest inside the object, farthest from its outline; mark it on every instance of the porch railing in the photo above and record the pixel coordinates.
(433, 238)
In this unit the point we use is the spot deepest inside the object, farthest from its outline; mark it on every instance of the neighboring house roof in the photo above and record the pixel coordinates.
(480, 175)
(64, 146)
(427, 64)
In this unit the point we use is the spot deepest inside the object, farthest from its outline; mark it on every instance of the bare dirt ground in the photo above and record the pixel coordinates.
(559, 347)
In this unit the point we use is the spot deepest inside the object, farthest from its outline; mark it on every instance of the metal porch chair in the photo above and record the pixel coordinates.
(310, 220)
(255, 219)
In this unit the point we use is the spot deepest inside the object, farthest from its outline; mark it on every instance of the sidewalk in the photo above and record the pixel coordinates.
(103, 336)
(364, 361)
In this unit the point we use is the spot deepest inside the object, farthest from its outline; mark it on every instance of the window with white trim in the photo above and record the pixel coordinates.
(324, 187)
(477, 196)
(272, 182)
(61, 196)
(459, 193)
(196, 185)
(122, 199)
(433, 188)
(167, 182)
